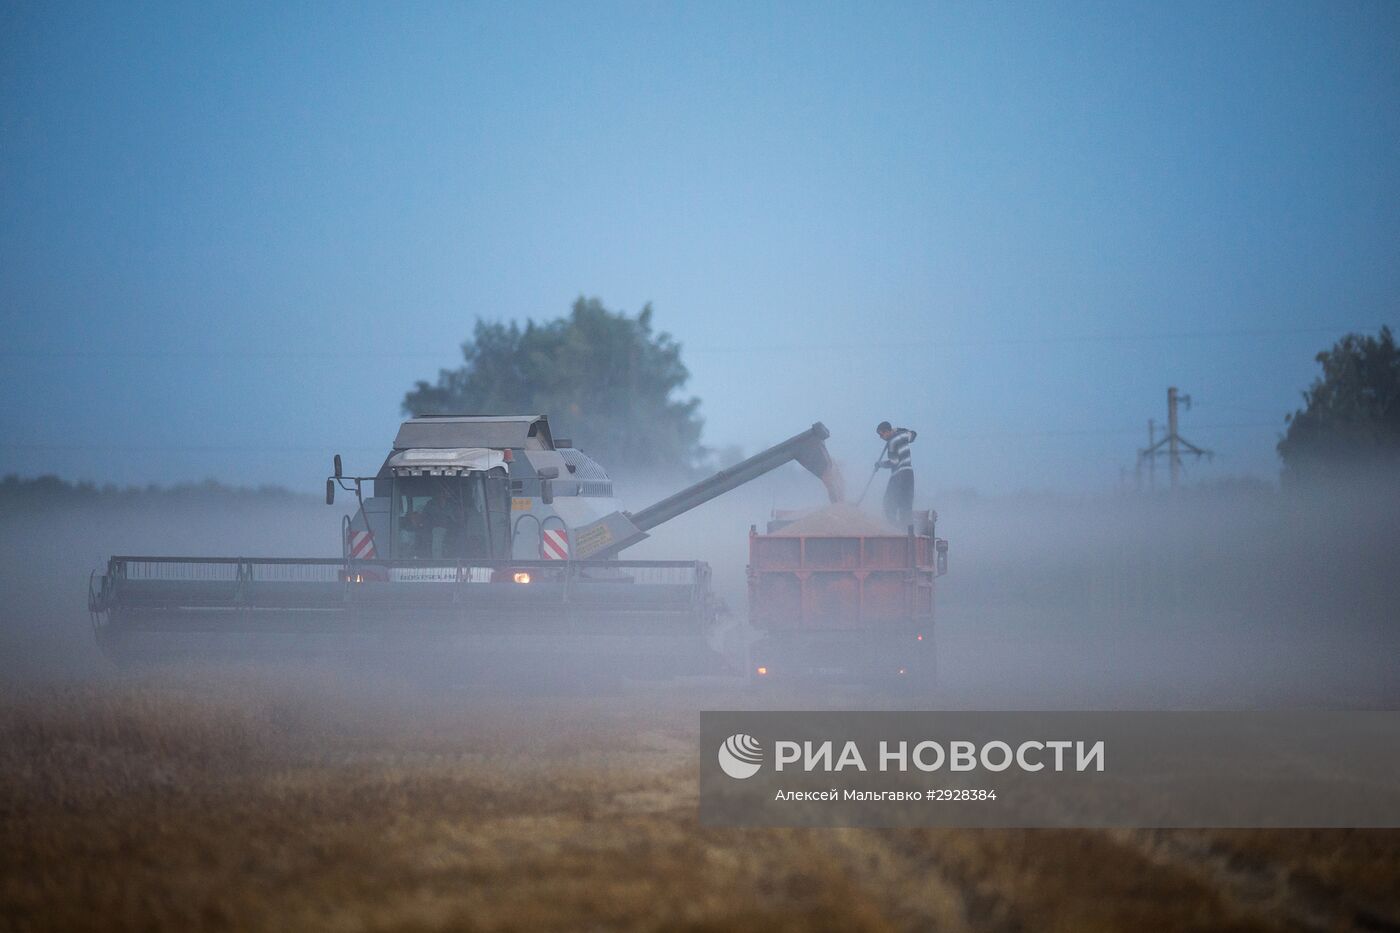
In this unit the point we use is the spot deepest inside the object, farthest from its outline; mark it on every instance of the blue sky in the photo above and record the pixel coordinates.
(232, 236)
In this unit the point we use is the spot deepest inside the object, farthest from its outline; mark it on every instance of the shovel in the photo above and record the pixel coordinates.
(872, 474)
(867, 485)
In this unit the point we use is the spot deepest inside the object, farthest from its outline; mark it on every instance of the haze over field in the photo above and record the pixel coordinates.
(1214, 599)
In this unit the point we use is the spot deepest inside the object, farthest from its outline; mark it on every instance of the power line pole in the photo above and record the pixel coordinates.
(1151, 461)
(1173, 439)
(1174, 443)
(1144, 457)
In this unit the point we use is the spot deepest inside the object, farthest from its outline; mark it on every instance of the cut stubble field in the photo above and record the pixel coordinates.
(216, 799)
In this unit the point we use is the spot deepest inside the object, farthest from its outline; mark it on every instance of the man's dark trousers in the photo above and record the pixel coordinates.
(899, 499)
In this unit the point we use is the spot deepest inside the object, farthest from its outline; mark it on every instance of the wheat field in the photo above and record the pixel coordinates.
(227, 800)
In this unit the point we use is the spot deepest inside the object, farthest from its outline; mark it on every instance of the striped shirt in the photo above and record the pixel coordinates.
(897, 450)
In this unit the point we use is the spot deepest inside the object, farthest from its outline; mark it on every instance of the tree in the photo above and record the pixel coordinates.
(1352, 420)
(605, 380)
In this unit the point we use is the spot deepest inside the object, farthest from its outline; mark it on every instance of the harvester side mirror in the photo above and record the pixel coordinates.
(337, 469)
(330, 492)
(547, 477)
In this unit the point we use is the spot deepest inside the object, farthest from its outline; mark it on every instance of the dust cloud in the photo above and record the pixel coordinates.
(1219, 597)
(1234, 595)
(49, 552)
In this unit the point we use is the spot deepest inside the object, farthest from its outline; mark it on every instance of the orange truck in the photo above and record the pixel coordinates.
(853, 602)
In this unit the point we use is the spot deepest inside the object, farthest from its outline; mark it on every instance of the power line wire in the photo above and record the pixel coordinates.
(747, 348)
(268, 448)
(1034, 341)
(158, 448)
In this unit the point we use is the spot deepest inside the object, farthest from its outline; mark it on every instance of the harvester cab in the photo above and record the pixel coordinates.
(474, 489)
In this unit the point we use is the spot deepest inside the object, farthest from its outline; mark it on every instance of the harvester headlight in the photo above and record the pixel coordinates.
(762, 671)
(522, 577)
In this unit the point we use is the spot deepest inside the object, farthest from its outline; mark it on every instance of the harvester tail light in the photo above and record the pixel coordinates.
(918, 637)
(522, 577)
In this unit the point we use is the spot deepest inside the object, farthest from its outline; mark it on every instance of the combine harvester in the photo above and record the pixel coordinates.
(482, 533)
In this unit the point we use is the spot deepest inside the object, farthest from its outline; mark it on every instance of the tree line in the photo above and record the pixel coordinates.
(615, 386)
(20, 493)
(607, 381)
(1350, 422)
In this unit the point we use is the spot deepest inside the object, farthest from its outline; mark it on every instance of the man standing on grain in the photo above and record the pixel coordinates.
(899, 494)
